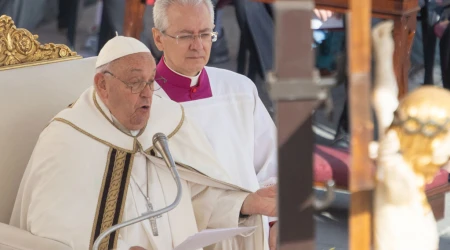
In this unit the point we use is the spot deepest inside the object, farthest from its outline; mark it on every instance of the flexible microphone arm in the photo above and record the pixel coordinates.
(160, 144)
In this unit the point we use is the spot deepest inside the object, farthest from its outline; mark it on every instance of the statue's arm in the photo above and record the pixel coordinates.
(393, 173)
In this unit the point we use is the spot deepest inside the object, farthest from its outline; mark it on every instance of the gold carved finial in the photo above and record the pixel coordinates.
(19, 46)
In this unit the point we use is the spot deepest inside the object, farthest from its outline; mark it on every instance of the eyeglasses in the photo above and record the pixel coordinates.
(207, 37)
(136, 87)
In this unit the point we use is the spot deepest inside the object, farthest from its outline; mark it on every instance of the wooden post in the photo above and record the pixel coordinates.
(295, 94)
(361, 174)
(134, 18)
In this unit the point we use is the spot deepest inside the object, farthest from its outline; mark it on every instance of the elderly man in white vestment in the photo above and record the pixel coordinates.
(94, 166)
(224, 104)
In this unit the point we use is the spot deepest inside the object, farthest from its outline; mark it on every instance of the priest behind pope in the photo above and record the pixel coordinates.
(94, 166)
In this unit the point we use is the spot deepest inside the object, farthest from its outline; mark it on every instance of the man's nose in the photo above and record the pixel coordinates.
(197, 43)
(147, 91)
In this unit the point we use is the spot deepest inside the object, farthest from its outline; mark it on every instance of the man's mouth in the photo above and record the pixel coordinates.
(145, 107)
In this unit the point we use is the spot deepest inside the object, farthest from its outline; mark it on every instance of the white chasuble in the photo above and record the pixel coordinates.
(85, 175)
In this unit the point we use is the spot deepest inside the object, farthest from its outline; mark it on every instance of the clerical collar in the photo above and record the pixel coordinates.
(113, 119)
(181, 88)
(194, 79)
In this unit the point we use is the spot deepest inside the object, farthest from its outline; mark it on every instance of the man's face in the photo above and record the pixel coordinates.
(184, 55)
(117, 84)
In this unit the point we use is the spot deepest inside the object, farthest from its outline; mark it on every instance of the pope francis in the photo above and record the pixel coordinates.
(94, 166)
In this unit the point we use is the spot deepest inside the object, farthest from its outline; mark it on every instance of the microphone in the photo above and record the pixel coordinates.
(161, 145)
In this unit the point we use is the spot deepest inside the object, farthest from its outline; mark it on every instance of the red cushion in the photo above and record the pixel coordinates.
(338, 161)
(440, 179)
(322, 169)
(332, 163)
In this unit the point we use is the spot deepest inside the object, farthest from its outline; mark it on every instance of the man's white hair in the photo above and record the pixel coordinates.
(160, 10)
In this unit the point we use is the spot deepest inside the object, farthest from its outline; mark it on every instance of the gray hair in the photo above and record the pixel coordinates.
(161, 6)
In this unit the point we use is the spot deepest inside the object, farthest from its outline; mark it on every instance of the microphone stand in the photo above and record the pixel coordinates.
(160, 144)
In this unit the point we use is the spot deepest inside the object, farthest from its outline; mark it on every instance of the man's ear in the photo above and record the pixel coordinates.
(157, 36)
(100, 85)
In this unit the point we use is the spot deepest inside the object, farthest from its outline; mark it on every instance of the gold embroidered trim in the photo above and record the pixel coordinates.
(97, 210)
(20, 48)
(216, 180)
(190, 168)
(73, 103)
(182, 165)
(92, 136)
(174, 131)
(179, 124)
(137, 145)
(127, 184)
(112, 197)
(107, 118)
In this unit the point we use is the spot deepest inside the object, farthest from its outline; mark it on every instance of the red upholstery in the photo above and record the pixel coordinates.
(322, 170)
(440, 179)
(336, 166)
(332, 163)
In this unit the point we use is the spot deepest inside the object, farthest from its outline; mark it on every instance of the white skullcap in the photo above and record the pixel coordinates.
(118, 47)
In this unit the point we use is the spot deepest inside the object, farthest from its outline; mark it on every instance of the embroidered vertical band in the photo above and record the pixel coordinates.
(112, 197)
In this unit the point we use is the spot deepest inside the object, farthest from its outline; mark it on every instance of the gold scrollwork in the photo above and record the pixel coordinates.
(19, 46)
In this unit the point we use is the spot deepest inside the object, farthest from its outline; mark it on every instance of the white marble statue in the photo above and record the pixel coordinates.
(414, 142)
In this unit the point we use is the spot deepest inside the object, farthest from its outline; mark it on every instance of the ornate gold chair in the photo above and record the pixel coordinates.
(36, 82)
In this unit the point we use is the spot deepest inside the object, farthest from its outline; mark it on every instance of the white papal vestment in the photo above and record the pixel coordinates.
(84, 176)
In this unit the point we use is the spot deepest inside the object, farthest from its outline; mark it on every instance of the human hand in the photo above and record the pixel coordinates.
(263, 201)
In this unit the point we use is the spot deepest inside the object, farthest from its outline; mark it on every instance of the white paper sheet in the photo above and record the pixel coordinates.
(211, 236)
